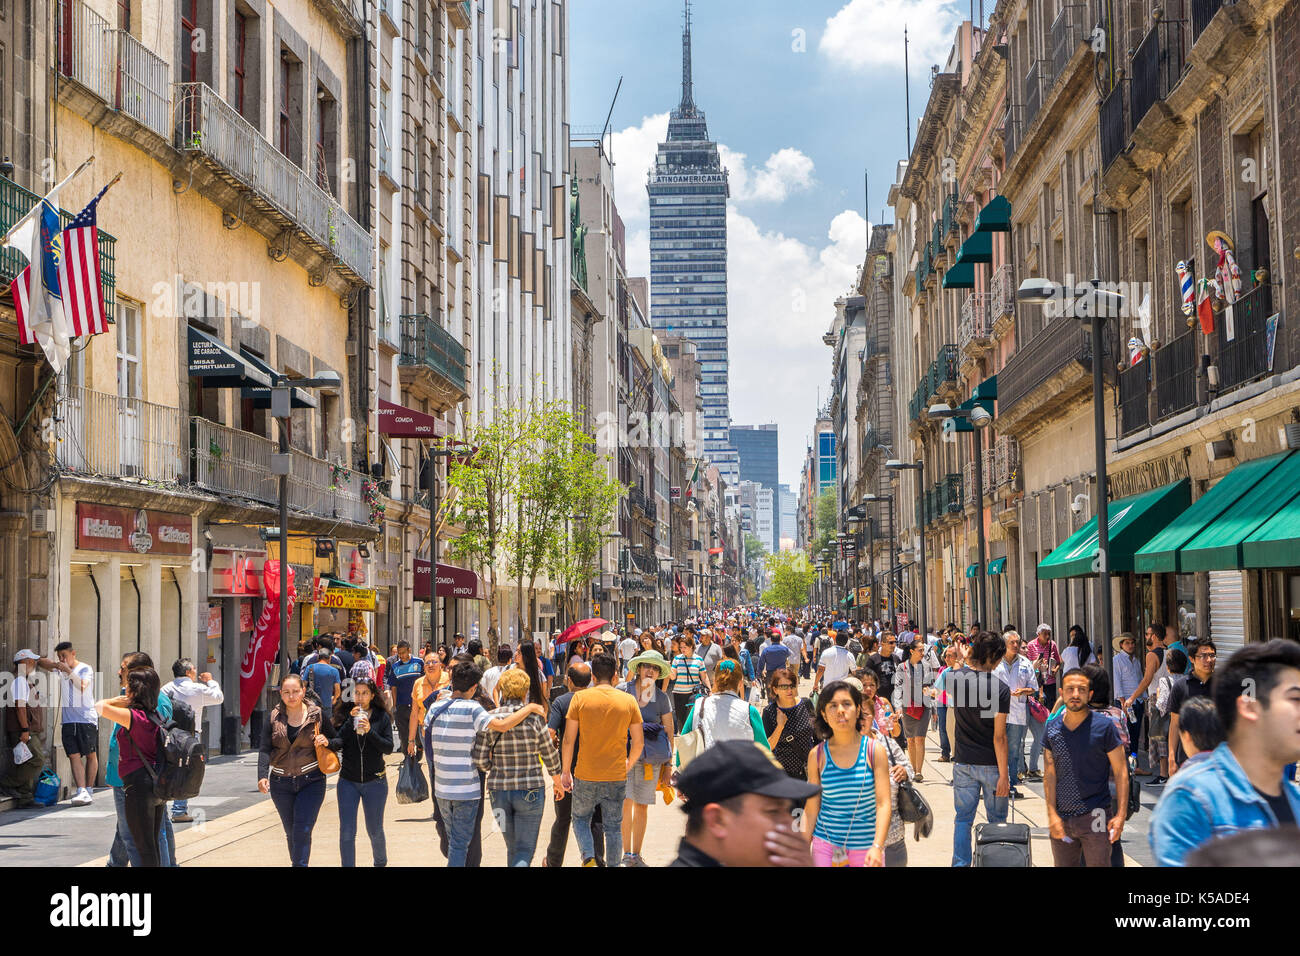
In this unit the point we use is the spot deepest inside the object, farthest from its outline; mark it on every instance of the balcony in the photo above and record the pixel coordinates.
(1002, 304)
(1175, 370)
(458, 14)
(16, 202)
(1012, 131)
(1046, 374)
(1244, 358)
(1133, 387)
(1068, 31)
(948, 495)
(1203, 11)
(114, 67)
(950, 215)
(112, 437)
(209, 127)
(1034, 82)
(1114, 125)
(944, 373)
(228, 461)
(432, 361)
(1006, 464)
(1156, 68)
(975, 331)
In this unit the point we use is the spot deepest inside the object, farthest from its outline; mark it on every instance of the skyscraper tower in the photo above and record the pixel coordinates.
(688, 257)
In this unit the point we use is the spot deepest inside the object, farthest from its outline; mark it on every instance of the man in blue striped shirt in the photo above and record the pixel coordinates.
(454, 723)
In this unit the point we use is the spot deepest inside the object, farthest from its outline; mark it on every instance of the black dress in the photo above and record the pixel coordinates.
(796, 740)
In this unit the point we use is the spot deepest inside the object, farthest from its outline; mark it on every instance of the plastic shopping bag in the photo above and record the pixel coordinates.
(411, 785)
(22, 753)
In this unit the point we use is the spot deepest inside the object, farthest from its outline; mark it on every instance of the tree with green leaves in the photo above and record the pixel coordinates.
(825, 520)
(593, 498)
(791, 579)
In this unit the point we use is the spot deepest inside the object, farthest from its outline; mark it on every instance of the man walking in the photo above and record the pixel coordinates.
(708, 652)
(774, 656)
(1019, 676)
(628, 648)
(1195, 684)
(1043, 653)
(980, 704)
(1083, 750)
(606, 717)
(199, 691)
(835, 662)
(400, 676)
(577, 680)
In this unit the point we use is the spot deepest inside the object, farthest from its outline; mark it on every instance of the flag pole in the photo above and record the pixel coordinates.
(71, 176)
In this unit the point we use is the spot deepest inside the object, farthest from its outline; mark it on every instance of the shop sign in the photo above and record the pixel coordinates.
(347, 599)
(214, 621)
(132, 531)
(453, 582)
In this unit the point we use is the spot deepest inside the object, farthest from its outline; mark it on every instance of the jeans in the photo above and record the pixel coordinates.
(945, 748)
(144, 814)
(1135, 726)
(519, 814)
(967, 782)
(1037, 731)
(298, 801)
(179, 807)
(403, 718)
(461, 818)
(587, 795)
(1084, 844)
(123, 850)
(560, 832)
(896, 853)
(372, 795)
(1015, 749)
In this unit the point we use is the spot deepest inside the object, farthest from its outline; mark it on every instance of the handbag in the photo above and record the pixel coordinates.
(22, 753)
(327, 761)
(690, 744)
(1037, 710)
(912, 806)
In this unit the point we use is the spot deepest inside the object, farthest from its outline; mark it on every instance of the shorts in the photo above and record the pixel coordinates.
(823, 852)
(639, 789)
(80, 739)
(914, 727)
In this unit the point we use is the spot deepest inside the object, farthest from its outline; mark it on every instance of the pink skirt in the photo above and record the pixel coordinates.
(822, 853)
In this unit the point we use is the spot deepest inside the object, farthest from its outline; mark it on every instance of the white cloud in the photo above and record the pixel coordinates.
(786, 171)
(781, 290)
(868, 34)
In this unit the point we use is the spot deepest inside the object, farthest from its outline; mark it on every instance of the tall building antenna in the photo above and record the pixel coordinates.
(688, 92)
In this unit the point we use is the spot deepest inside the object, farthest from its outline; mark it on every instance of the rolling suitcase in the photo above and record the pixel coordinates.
(1002, 844)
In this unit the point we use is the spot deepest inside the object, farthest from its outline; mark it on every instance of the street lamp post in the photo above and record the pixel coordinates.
(919, 467)
(1089, 300)
(979, 419)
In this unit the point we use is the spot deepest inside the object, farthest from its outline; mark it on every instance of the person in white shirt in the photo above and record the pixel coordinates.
(80, 724)
(488, 683)
(835, 663)
(628, 648)
(198, 691)
(1019, 675)
(794, 644)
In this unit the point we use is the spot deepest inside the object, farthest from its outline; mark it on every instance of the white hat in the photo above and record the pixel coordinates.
(637, 632)
(26, 655)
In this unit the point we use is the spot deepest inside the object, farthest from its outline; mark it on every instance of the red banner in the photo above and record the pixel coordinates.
(132, 531)
(265, 644)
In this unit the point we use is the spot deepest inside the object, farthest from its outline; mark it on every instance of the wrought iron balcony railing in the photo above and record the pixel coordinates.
(1003, 292)
(426, 343)
(1114, 124)
(1156, 68)
(1175, 370)
(1244, 357)
(114, 437)
(1133, 384)
(976, 326)
(1068, 31)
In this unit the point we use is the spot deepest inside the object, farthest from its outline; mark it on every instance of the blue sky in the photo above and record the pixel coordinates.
(802, 99)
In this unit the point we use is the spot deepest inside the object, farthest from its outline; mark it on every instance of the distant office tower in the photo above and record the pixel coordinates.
(789, 512)
(756, 445)
(688, 258)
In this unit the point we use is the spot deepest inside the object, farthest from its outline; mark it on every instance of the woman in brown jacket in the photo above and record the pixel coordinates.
(287, 767)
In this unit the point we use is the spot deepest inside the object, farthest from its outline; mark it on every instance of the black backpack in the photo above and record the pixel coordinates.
(178, 772)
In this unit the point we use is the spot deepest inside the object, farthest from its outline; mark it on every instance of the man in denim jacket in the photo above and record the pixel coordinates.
(1241, 785)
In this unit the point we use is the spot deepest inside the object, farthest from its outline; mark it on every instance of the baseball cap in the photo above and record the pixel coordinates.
(26, 655)
(732, 767)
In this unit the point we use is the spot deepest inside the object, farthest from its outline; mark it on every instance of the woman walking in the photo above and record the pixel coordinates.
(847, 823)
(655, 766)
(1078, 653)
(725, 715)
(138, 736)
(366, 732)
(287, 767)
(914, 696)
(689, 679)
(513, 761)
(900, 769)
(943, 700)
(788, 722)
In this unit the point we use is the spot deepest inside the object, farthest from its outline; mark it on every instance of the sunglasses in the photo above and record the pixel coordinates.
(784, 686)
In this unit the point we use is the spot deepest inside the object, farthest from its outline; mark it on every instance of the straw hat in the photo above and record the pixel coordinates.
(1118, 641)
(653, 658)
(1217, 234)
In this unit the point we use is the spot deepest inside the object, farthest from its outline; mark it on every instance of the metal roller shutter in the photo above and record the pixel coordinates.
(1227, 627)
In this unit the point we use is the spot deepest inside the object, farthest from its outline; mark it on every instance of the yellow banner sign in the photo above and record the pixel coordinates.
(348, 599)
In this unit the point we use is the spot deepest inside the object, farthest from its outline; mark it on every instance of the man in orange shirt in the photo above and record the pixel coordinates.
(606, 717)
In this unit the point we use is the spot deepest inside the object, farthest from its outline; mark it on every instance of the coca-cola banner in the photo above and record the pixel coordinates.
(132, 531)
(262, 650)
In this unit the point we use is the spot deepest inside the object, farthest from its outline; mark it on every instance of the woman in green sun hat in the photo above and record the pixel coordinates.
(651, 772)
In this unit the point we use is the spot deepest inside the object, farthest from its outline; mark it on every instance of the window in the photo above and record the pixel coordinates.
(128, 350)
(124, 15)
(325, 136)
(189, 11)
(290, 107)
(241, 45)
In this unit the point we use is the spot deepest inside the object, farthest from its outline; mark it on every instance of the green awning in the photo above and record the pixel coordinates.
(1218, 546)
(995, 216)
(997, 566)
(977, 248)
(1133, 521)
(973, 570)
(960, 276)
(987, 389)
(1161, 553)
(1277, 543)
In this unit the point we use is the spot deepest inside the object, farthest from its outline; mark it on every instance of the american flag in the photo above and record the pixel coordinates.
(77, 255)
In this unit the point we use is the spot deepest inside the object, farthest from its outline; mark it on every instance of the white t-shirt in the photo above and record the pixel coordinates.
(490, 677)
(1070, 659)
(837, 661)
(794, 644)
(22, 691)
(627, 649)
(78, 704)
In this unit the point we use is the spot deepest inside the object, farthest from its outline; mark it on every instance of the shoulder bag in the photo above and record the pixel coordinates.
(690, 744)
(912, 806)
(327, 761)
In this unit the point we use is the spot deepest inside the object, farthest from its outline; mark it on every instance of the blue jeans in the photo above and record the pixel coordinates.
(123, 850)
(967, 782)
(1037, 731)
(1015, 749)
(372, 795)
(945, 748)
(179, 807)
(298, 801)
(519, 814)
(460, 817)
(609, 797)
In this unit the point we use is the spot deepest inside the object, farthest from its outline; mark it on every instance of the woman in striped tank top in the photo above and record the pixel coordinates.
(850, 817)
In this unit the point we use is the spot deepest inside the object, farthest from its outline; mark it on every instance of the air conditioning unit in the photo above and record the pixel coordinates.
(42, 521)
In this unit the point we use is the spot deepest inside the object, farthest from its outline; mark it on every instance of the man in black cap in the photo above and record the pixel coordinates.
(739, 809)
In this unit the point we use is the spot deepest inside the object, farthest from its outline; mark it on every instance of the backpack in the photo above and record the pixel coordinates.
(178, 772)
(182, 714)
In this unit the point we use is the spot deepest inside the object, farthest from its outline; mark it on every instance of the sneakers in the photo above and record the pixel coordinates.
(1034, 775)
(82, 798)
(634, 859)
(589, 861)
(182, 818)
